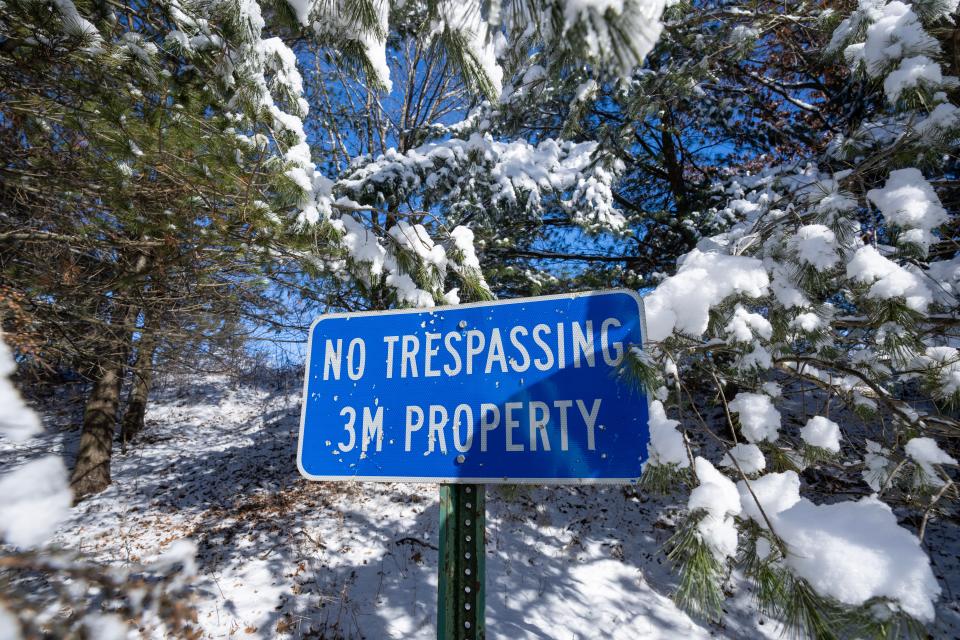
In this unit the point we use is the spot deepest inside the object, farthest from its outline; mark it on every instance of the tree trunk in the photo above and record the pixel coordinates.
(133, 417)
(91, 473)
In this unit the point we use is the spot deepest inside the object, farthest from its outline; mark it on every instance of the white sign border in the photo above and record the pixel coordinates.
(459, 479)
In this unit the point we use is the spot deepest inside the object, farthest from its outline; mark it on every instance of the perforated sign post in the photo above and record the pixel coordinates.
(514, 391)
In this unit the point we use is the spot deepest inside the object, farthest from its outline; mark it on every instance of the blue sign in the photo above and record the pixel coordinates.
(513, 391)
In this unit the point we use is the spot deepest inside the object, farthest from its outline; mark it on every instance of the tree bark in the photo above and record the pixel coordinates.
(91, 473)
(133, 417)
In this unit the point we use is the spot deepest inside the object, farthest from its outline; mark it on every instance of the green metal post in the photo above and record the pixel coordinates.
(460, 589)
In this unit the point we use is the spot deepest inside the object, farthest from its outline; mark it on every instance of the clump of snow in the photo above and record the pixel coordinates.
(816, 245)
(682, 302)
(821, 432)
(850, 551)
(808, 321)
(717, 496)
(926, 453)
(17, 421)
(759, 419)
(912, 72)
(744, 324)
(896, 33)
(888, 279)
(666, 444)
(463, 239)
(34, 499)
(415, 238)
(770, 494)
(747, 456)
(907, 200)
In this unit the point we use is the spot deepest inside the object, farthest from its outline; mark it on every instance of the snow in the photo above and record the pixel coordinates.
(770, 494)
(465, 17)
(34, 499)
(926, 453)
(747, 456)
(908, 201)
(9, 627)
(105, 626)
(717, 496)
(759, 419)
(217, 465)
(850, 551)
(895, 33)
(666, 443)
(888, 279)
(414, 237)
(816, 246)
(808, 321)
(17, 421)
(682, 302)
(821, 432)
(945, 116)
(914, 72)
(463, 239)
(639, 21)
(745, 324)
(375, 45)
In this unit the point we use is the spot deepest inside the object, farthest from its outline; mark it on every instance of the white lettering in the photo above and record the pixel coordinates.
(495, 352)
(372, 426)
(463, 413)
(438, 420)
(563, 405)
(510, 423)
(332, 358)
(539, 425)
(411, 425)
(613, 361)
(408, 351)
(351, 419)
(390, 340)
(591, 420)
(583, 344)
(354, 368)
(447, 369)
(428, 353)
(547, 362)
(488, 424)
(524, 364)
(473, 348)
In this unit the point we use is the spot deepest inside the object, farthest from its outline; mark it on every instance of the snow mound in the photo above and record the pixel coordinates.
(850, 551)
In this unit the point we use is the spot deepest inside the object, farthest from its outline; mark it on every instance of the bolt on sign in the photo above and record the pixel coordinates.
(515, 391)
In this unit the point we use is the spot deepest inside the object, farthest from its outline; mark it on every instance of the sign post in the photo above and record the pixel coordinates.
(504, 392)
(460, 586)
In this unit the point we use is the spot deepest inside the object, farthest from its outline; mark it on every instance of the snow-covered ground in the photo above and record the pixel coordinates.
(281, 557)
